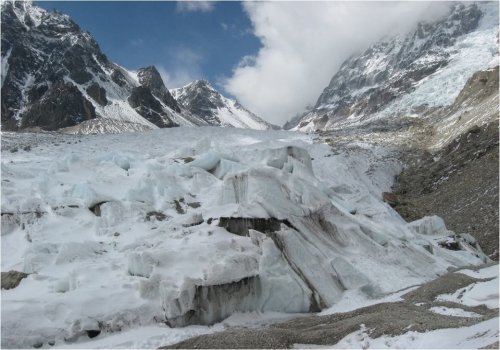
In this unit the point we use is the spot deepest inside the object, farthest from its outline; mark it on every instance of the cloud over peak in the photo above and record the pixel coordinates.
(304, 43)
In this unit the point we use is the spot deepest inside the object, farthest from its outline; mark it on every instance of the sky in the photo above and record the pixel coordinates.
(275, 58)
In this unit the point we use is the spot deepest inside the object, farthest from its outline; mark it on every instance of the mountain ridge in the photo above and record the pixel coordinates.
(403, 75)
(54, 76)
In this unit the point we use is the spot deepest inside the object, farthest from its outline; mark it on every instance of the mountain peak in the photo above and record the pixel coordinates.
(201, 84)
(203, 100)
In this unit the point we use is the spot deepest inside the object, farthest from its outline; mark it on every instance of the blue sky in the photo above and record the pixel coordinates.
(184, 43)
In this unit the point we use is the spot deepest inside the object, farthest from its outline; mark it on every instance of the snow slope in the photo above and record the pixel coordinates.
(190, 225)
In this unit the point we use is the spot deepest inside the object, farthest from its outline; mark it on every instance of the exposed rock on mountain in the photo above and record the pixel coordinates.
(54, 75)
(203, 101)
(149, 77)
(405, 75)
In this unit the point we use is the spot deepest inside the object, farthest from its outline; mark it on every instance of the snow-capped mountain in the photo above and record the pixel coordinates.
(55, 76)
(203, 101)
(405, 75)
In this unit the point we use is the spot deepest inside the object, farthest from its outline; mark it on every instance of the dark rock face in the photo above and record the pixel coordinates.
(98, 94)
(366, 83)
(118, 78)
(149, 77)
(62, 105)
(143, 101)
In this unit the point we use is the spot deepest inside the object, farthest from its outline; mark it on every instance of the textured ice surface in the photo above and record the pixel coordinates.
(122, 231)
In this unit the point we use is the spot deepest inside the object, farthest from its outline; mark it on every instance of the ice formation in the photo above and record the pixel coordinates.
(190, 225)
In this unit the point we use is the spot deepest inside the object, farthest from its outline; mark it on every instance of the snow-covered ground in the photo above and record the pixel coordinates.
(482, 334)
(122, 233)
(473, 337)
(479, 293)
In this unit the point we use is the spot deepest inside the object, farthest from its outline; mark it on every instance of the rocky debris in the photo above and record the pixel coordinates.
(458, 183)
(475, 106)
(492, 346)
(12, 279)
(481, 85)
(410, 314)
(178, 207)
(450, 244)
(104, 126)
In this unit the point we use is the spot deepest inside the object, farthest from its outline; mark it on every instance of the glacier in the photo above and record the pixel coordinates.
(188, 226)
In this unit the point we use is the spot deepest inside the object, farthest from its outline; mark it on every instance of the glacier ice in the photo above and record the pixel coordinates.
(280, 224)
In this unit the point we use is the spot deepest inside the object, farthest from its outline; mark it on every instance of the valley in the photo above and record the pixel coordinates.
(138, 216)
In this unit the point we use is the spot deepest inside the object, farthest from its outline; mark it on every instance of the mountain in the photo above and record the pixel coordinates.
(54, 76)
(203, 101)
(404, 75)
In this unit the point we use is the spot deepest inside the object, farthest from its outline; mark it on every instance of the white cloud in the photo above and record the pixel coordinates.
(184, 66)
(192, 6)
(304, 44)
(136, 42)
